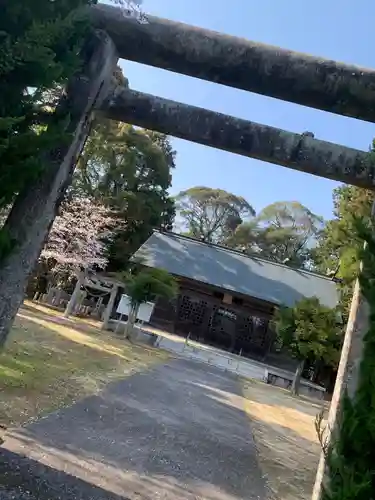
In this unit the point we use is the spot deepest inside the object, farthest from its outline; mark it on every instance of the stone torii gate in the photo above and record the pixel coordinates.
(306, 80)
(326, 85)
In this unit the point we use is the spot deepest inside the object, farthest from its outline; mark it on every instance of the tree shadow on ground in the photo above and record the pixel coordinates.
(24, 478)
(285, 438)
(272, 395)
(60, 320)
(179, 430)
(287, 459)
(46, 366)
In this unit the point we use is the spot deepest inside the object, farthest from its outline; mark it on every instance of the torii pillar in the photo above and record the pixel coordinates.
(109, 308)
(73, 302)
(34, 210)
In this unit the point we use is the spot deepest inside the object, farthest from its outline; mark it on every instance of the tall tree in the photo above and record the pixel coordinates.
(287, 231)
(128, 170)
(284, 232)
(211, 215)
(340, 244)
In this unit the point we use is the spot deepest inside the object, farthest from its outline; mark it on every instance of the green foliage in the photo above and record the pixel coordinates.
(128, 170)
(210, 214)
(149, 284)
(351, 457)
(309, 331)
(40, 43)
(284, 231)
(340, 245)
(287, 231)
(40, 49)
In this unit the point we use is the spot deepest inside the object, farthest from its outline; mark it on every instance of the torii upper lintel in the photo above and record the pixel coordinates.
(236, 62)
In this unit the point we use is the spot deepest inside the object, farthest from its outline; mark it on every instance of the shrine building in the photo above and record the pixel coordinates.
(227, 298)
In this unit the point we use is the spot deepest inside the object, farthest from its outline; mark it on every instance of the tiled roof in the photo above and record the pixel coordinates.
(234, 271)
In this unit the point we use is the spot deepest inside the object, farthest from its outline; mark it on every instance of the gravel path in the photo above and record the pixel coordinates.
(175, 432)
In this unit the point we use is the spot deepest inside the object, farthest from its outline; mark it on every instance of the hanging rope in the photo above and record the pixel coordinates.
(99, 294)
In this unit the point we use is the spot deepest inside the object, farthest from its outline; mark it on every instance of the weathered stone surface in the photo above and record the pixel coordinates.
(315, 82)
(348, 375)
(34, 210)
(299, 152)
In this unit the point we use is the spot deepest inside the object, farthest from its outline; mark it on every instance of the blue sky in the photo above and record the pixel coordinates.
(341, 30)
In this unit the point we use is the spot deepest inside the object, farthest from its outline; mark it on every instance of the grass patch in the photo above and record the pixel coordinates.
(285, 437)
(50, 362)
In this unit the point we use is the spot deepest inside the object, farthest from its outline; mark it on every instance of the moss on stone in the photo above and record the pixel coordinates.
(351, 459)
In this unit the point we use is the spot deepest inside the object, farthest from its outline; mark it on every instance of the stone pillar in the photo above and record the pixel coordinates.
(50, 295)
(348, 372)
(108, 310)
(76, 295)
(34, 210)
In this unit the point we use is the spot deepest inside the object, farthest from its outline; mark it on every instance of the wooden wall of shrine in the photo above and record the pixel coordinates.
(236, 323)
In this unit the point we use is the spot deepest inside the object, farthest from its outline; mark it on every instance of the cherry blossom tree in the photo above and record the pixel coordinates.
(132, 8)
(78, 236)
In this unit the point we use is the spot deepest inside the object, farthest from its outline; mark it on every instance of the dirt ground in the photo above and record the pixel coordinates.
(50, 362)
(175, 432)
(286, 439)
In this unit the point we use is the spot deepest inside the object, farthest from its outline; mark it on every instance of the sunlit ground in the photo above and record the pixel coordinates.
(284, 431)
(50, 362)
(285, 437)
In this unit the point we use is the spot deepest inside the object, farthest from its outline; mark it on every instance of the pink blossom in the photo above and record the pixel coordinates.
(77, 234)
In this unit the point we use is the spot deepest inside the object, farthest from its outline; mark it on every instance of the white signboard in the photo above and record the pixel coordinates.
(144, 312)
(124, 305)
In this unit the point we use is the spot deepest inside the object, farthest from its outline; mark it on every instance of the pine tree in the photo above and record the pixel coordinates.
(339, 244)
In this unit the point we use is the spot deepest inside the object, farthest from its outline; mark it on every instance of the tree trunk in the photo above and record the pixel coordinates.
(297, 378)
(34, 210)
(132, 318)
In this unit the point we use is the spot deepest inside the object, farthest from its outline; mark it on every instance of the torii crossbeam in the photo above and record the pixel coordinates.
(236, 62)
(296, 151)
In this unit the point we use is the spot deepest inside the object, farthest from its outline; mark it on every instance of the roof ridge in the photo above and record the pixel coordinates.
(238, 252)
